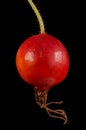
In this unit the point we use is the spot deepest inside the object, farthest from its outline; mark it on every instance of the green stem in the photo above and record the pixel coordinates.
(37, 13)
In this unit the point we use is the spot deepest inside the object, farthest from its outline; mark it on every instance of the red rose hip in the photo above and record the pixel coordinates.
(42, 61)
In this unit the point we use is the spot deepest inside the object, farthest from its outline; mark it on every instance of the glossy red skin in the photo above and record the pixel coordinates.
(42, 61)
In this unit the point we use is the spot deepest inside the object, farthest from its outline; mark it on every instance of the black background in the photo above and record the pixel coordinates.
(62, 19)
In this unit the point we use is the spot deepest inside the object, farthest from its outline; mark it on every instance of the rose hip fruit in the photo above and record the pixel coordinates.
(42, 61)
